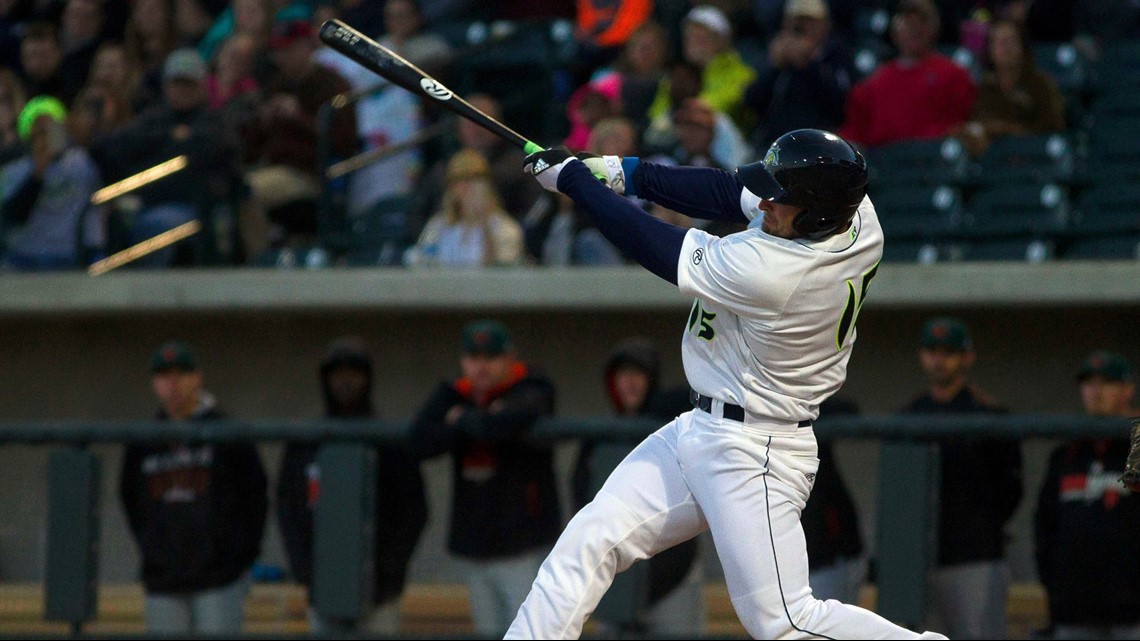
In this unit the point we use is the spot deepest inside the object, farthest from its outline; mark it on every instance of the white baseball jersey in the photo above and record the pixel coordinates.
(773, 322)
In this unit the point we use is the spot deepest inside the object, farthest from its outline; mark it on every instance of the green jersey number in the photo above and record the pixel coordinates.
(854, 304)
(701, 320)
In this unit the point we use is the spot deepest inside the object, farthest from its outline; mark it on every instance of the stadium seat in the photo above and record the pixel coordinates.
(1118, 69)
(1023, 249)
(379, 236)
(1068, 67)
(917, 212)
(909, 251)
(1012, 159)
(1113, 155)
(1114, 247)
(1012, 210)
(1107, 209)
(935, 161)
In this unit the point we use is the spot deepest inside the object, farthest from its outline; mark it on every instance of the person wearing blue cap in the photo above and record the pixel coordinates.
(980, 488)
(1084, 516)
(45, 195)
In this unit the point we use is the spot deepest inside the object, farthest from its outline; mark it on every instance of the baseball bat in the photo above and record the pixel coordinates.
(387, 64)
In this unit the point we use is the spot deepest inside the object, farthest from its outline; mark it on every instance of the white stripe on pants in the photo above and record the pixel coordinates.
(696, 473)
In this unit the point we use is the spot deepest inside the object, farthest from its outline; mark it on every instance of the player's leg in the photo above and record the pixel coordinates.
(643, 507)
(752, 488)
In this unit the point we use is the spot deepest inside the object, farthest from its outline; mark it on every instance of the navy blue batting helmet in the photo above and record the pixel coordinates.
(813, 169)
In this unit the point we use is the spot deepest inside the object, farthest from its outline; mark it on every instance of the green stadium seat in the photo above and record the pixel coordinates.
(1114, 247)
(1107, 209)
(1039, 158)
(1013, 210)
(917, 212)
(936, 161)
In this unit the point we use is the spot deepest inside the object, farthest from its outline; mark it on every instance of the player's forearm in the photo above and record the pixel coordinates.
(697, 192)
(654, 244)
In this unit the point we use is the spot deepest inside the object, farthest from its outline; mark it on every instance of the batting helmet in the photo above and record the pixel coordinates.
(813, 169)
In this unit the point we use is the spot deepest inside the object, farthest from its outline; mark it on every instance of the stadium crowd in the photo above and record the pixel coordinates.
(93, 92)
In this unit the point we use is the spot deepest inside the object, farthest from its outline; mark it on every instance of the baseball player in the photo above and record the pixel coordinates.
(768, 339)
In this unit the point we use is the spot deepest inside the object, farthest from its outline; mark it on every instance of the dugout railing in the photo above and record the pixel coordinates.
(908, 478)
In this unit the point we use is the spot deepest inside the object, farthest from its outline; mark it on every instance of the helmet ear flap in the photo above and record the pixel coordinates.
(812, 226)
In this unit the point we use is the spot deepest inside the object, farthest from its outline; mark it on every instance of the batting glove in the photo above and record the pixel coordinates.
(545, 166)
(607, 169)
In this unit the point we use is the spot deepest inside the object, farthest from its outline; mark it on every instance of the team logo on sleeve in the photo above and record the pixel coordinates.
(698, 256)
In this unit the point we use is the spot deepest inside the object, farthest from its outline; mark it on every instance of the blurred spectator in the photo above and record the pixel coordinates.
(707, 43)
(806, 76)
(981, 487)
(1015, 97)
(385, 114)
(641, 67)
(231, 76)
(694, 123)
(182, 125)
(254, 17)
(151, 35)
(117, 77)
(505, 512)
(95, 114)
(46, 194)
(405, 35)
(346, 382)
(471, 229)
(41, 59)
(81, 30)
(13, 15)
(602, 27)
(1084, 515)
(11, 103)
(836, 560)
(676, 605)
(196, 510)
(281, 141)
(843, 15)
(520, 192)
(921, 94)
(597, 99)
(194, 18)
(728, 147)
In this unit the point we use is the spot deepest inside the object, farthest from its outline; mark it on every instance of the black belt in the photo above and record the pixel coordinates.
(731, 412)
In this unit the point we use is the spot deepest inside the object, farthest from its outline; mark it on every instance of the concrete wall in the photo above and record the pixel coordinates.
(262, 364)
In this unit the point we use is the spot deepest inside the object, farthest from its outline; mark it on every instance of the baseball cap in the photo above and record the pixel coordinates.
(173, 355)
(183, 63)
(807, 8)
(712, 18)
(950, 333)
(36, 107)
(486, 337)
(924, 8)
(1107, 365)
(467, 164)
(287, 32)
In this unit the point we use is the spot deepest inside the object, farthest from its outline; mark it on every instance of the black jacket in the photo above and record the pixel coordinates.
(504, 496)
(196, 510)
(981, 485)
(830, 522)
(1086, 527)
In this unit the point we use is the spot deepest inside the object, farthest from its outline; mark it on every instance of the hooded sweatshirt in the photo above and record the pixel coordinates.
(401, 504)
(197, 510)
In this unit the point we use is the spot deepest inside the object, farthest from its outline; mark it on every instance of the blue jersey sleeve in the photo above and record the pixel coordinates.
(653, 243)
(697, 192)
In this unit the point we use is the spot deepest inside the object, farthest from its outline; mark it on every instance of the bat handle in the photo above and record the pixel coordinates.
(531, 148)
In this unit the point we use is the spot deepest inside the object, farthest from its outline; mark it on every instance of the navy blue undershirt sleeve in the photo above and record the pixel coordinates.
(697, 192)
(652, 243)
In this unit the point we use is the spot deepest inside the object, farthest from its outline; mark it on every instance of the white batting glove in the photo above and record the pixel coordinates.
(545, 166)
(607, 169)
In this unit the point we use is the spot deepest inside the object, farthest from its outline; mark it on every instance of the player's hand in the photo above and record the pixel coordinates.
(606, 169)
(545, 166)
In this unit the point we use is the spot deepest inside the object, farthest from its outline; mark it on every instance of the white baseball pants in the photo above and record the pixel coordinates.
(700, 472)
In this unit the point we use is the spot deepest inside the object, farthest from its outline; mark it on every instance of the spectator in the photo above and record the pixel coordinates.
(589, 104)
(194, 18)
(694, 123)
(505, 513)
(921, 94)
(281, 141)
(115, 74)
(11, 103)
(602, 28)
(41, 59)
(151, 35)
(631, 379)
(196, 510)
(707, 43)
(642, 66)
(806, 76)
(471, 228)
(1015, 97)
(1083, 514)
(980, 489)
(257, 18)
(519, 191)
(231, 77)
(94, 115)
(728, 147)
(836, 560)
(46, 194)
(346, 377)
(81, 30)
(182, 125)
(405, 35)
